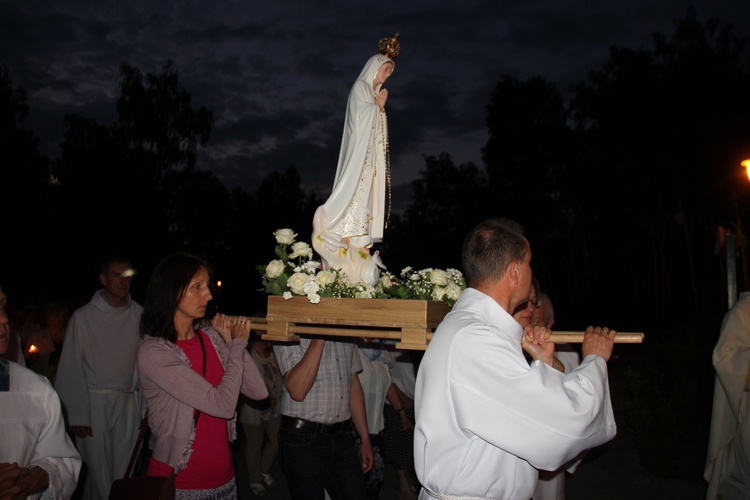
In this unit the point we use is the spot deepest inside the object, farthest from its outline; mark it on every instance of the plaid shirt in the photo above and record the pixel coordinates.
(328, 399)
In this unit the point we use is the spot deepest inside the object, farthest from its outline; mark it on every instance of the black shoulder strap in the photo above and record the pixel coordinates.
(203, 348)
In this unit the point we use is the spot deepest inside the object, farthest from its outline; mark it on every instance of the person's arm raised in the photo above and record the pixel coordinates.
(534, 342)
(300, 379)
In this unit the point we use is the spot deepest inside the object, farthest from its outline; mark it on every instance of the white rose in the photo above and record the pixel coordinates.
(297, 282)
(324, 278)
(287, 295)
(438, 293)
(285, 236)
(385, 281)
(439, 277)
(314, 298)
(363, 294)
(300, 249)
(453, 291)
(274, 269)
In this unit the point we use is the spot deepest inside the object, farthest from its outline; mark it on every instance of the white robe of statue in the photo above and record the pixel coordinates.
(356, 208)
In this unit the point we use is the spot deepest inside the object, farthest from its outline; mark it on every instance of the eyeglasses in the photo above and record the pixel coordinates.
(536, 303)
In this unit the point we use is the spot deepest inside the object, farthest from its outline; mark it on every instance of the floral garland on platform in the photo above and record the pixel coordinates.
(297, 273)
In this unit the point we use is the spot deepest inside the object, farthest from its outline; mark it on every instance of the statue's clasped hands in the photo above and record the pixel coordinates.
(381, 97)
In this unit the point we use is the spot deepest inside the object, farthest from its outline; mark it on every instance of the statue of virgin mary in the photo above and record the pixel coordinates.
(355, 214)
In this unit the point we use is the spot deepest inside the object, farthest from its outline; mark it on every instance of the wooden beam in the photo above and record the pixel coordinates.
(287, 328)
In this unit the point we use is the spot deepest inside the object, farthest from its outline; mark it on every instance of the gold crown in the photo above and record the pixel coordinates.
(390, 46)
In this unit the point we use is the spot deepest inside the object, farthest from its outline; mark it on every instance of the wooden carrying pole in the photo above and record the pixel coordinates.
(259, 325)
(577, 338)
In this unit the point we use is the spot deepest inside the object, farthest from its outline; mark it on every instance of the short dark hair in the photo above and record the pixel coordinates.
(107, 261)
(537, 288)
(490, 248)
(165, 289)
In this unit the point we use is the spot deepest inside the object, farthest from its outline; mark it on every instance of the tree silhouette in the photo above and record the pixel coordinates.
(131, 187)
(161, 127)
(448, 201)
(528, 158)
(664, 128)
(279, 202)
(26, 192)
(528, 133)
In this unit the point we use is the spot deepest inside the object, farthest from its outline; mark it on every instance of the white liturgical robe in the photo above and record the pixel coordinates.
(728, 462)
(486, 420)
(98, 385)
(32, 432)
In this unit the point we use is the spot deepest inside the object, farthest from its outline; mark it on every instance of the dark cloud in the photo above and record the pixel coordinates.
(276, 78)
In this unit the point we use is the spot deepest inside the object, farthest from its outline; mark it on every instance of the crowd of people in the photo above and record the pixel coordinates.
(118, 362)
(493, 410)
(334, 412)
(112, 361)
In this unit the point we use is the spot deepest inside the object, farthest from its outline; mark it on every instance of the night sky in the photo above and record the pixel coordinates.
(276, 75)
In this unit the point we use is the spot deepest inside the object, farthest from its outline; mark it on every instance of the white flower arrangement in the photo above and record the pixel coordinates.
(298, 274)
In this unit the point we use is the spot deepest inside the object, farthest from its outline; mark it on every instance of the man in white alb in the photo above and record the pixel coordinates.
(728, 462)
(97, 378)
(37, 459)
(486, 419)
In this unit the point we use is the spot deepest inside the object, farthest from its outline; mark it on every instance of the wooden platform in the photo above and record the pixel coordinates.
(410, 322)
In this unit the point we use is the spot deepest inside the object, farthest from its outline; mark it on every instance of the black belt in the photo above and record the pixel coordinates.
(301, 424)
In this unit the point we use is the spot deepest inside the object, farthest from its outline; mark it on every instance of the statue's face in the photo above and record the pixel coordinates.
(384, 72)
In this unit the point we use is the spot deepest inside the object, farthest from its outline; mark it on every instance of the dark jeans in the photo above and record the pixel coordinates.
(315, 461)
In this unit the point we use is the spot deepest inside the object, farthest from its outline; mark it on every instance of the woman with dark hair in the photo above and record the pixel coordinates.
(191, 378)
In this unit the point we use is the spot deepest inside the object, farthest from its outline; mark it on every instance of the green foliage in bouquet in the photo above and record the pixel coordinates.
(297, 273)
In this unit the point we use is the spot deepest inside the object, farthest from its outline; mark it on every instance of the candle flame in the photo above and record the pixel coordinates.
(32, 348)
